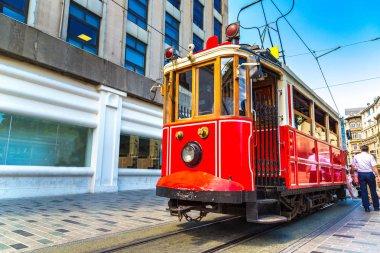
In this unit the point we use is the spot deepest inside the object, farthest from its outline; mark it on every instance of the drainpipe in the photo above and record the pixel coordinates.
(61, 19)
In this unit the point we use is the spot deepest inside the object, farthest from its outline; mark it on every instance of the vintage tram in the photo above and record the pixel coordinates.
(244, 135)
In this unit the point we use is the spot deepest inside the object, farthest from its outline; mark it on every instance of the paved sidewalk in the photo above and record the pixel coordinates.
(359, 232)
(28, 224)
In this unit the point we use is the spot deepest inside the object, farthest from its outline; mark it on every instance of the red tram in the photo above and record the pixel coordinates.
(244, 135)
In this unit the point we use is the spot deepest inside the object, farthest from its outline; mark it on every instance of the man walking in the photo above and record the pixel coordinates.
(368, 175)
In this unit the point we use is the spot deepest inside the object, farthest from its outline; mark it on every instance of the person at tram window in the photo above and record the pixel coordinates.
(368, 175)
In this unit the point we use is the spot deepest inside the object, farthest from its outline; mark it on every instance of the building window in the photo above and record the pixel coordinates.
(137, 12)
(198, 43)
(353, 136)
(139, 152)
(358, 124)
(359, 135)
(198, 14)
(135, 54)
(36, 142)
(218, 5)
(171, 31)
(352, 125)
(218, 29)
(17, 9)
(83, 29)
(175, 3)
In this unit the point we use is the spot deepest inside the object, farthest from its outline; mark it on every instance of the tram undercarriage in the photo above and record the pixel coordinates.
(279, 206)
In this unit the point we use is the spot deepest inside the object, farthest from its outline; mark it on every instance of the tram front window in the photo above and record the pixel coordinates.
(184, 95)
(206, 90)
(242, 88)
(227, 73)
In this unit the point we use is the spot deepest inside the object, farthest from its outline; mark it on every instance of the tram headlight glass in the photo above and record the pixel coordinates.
(192, 154)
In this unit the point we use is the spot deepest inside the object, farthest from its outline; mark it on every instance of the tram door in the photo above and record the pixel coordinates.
(264, 102)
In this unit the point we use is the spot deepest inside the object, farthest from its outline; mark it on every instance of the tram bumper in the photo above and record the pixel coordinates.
(202, 187)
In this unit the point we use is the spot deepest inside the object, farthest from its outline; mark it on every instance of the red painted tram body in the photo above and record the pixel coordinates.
(244, 135)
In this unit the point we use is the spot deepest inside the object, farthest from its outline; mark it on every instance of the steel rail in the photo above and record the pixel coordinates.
(158, 237)
(251, 236)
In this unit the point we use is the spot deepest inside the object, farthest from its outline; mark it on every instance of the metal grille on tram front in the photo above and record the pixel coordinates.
(266, 134)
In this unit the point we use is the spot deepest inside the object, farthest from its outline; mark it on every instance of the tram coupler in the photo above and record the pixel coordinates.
(183, 211)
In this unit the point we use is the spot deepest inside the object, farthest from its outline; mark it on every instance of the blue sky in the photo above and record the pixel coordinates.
(325, 24)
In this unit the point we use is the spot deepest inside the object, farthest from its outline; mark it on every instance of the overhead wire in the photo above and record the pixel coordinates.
(312, 53)
(343, 46)
(351, 82)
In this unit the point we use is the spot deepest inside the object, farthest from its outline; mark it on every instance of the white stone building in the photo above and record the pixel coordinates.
(76, 111)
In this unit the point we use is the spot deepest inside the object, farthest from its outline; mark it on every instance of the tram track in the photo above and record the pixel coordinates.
(159, 237)
(230, 234)
(293, 247)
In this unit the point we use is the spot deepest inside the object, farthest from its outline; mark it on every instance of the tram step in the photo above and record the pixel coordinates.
(270, 219)
(267, 201)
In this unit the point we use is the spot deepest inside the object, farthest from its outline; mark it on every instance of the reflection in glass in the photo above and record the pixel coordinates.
(185, 95)
(206, 90)
(227, 73)
(36, 142)
(242, 88)
(139, 152)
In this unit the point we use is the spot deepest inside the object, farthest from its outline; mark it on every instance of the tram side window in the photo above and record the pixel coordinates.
(206, 90)
(184, 95)
(242, 89)
(227, 78)
(320, 124)
(301, 112)
(333, 128)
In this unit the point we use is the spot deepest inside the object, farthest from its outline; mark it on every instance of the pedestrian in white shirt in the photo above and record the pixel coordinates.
(368, 175)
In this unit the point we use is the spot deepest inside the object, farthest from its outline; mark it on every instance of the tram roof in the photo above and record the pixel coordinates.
(230, 49)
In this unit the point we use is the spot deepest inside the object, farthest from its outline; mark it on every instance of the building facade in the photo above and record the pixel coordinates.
(353, 123)
(371, 128)
(364, 126)
(77, 112)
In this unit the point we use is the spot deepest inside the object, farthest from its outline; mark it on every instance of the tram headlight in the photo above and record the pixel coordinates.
(192, 154)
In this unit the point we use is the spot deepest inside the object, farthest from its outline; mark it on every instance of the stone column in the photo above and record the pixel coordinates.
(106, 141)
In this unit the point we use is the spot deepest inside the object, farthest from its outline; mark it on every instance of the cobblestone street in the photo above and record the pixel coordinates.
(27, 224)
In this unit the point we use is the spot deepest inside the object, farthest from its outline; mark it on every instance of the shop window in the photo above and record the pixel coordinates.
(302, 117)
(171, 31)
(137, 12)
(227, 77)
(135, 55)
(17, 9)
(83, 29)
(320, 123)
(218, 6)
(175, 3)
(205, 90)
(198, 43)
(36, 142)
(185, 95)
(218, 29)
(139, 152)
(198, 13)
